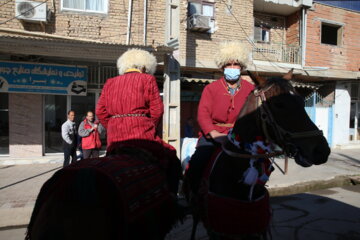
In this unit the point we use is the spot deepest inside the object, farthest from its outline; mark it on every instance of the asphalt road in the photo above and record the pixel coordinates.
(330, 214)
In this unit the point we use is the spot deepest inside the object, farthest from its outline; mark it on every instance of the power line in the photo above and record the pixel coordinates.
(275, 32)
(24, 12)
(5, 3)
(248, 37)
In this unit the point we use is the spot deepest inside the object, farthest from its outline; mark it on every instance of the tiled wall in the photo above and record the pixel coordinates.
(25, 125)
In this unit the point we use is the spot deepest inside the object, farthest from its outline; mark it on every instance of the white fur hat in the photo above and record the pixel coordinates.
(232, 51)
(137, 58)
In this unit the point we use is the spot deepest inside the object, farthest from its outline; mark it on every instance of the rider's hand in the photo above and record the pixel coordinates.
(218, 137)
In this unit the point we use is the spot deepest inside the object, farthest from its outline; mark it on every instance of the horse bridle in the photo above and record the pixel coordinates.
(282, 137)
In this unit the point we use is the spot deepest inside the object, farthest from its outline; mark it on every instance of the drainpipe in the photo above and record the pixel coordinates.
(129, 23)
(303, 36)
(145, 21)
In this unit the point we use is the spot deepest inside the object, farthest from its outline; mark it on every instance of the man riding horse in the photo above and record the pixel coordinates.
(129, 194)
(242, 129)
(130, 108)
(220, 104)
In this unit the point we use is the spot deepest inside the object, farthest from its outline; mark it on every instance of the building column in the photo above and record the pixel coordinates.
(171, 98)
(341, 114)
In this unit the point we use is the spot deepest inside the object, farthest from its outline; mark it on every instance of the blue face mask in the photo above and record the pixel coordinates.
(232, 74)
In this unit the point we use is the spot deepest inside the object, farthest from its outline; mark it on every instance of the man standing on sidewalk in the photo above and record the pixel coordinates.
(90, 131)
(69, 135)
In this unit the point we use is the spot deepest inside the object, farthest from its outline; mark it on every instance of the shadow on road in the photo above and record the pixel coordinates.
(29, 178)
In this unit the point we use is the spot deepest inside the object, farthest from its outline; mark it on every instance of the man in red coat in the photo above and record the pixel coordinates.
(90, 131)
(220, 104)
(130, 108)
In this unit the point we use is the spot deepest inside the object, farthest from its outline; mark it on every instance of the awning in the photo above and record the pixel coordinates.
(196, 80)
(313, 86)
(87, 50)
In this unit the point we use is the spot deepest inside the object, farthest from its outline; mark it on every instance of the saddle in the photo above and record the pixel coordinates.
(140, 183)
(230, 215)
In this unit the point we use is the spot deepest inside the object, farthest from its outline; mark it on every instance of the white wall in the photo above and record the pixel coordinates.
(341, 114)
(322, 119)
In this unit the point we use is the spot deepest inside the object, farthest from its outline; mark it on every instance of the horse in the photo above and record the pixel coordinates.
(121, 196)
(232, 201)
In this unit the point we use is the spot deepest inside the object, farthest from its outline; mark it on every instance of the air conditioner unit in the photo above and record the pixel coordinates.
(31, 11)
(199, 23)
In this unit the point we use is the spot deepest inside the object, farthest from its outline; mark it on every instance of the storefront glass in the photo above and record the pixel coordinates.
(4, 123)
(55, 116)
(82, 104)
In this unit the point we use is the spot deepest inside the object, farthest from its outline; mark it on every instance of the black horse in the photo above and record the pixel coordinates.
(232, 201)
(123, 196)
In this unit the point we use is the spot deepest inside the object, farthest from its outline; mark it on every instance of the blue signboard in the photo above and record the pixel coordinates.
(43, 78)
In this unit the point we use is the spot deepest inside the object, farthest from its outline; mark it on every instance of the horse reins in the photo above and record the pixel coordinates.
(256, 156)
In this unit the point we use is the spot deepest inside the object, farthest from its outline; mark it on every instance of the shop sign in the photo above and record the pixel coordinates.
(43, 78)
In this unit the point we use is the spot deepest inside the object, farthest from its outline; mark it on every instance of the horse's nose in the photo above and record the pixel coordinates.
(321, 151)
(302, 160)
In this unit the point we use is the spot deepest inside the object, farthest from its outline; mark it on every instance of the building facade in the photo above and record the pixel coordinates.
(320, 41)
(49, 37)
(331, 59)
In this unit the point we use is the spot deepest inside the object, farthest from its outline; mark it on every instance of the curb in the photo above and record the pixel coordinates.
(338, 181)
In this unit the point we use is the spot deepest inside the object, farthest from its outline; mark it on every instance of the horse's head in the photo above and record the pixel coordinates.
(274, 112)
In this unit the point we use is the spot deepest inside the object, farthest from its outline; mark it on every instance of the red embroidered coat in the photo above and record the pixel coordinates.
(130, 93)
(218, 106)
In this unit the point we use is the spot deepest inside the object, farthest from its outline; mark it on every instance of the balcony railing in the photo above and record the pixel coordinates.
(277, 53)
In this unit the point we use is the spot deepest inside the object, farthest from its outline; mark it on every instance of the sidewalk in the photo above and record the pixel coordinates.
(20, 184)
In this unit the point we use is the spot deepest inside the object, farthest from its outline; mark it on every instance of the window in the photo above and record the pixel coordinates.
(96, 6)
(331, 34)
(261, 34)
(203, 8)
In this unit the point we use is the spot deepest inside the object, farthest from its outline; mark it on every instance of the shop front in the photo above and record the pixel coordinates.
(34, 101)
(42, 79)
(55, 111)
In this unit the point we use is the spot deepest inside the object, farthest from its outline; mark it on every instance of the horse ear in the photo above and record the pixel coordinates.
(259, 81)
(289, 75)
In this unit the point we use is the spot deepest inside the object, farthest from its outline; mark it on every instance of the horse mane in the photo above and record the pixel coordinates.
(277, 86)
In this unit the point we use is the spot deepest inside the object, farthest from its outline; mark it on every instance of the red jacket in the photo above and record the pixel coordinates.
(217, 106)
(130, 93)
(93, 140)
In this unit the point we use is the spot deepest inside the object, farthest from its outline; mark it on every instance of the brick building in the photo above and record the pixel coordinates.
(184, 36)
(331, 59)
(40, 39)
(318, 39)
